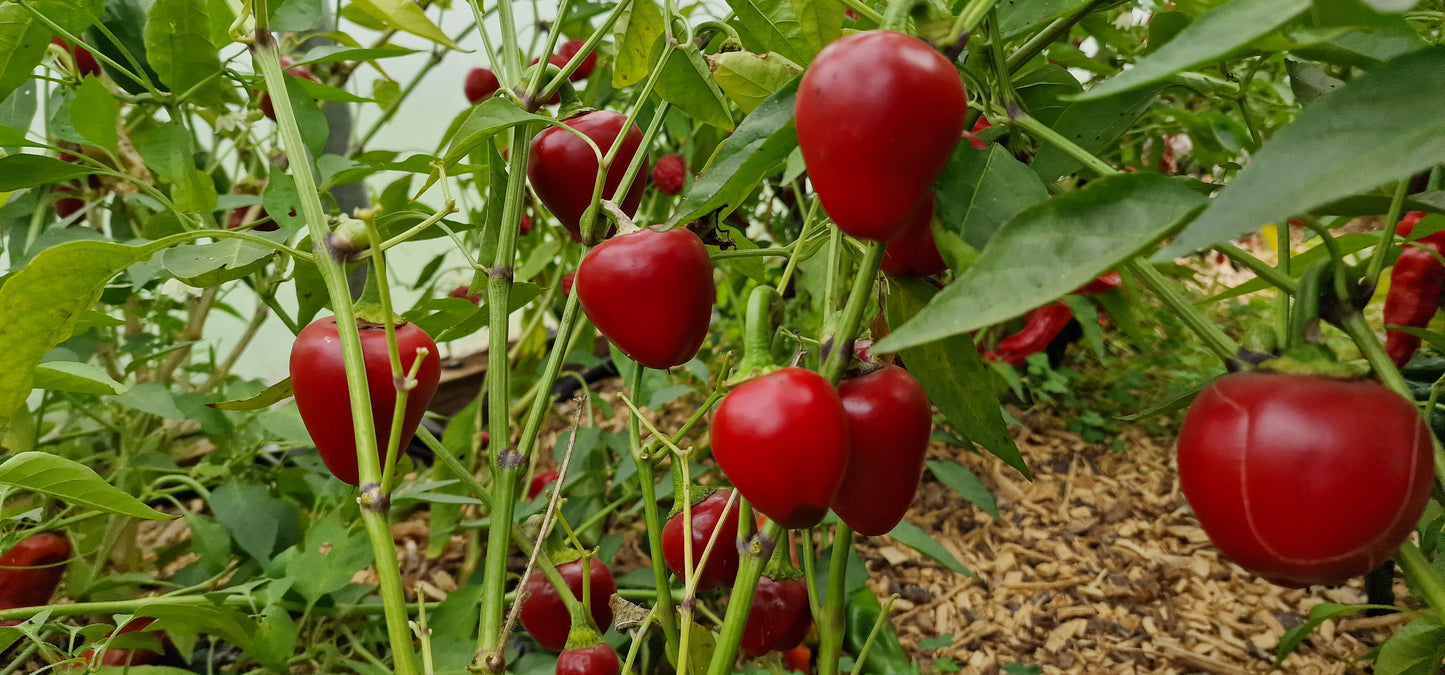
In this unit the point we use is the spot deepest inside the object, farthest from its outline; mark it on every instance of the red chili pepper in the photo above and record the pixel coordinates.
(1040, 327)
(1107, 281)
(1416, 284)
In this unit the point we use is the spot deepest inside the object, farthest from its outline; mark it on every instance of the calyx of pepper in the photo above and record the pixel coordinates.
(695, 493)
(764, 314)
(780, 567)
(582, 637)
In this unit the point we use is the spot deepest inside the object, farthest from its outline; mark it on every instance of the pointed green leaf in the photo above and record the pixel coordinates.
(94, 113)
(1050, 250)
(979, 191)
(273, 394)
(76, 377)
(405, 15)
(206, 265)
(178, 45)
(1214, 34)
(73, 483)
(1017, 15)
(821, 21)
(954, 376)
(965, 483)
(636, 31)
(1416, 649)
(23, 171)
(1093, 126)
(1395, 129)
(168, 151)
(914, 537)
(749, 79)
(686, 83)
(758, 147)
(775, 27)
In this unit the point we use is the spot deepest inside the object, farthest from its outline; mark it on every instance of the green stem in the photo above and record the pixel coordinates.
(831, 624)
(1215, 338)
(877, 626)
(839, 345)
(1040, 131)
(1282, 300)
(1387, 234)
(506, 462)
(740, 602)
(1415, 566)
(378, 529)
(1052, 32)
(863, 11)
(647, 479)
(972, 15)
(1274, 276)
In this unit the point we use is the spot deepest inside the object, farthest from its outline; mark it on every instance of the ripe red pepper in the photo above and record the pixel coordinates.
(779, 618)
(878, 115)
(545, 616)
(1304, 480)
(480, 84)
(651, 293)
(297, 71)
(913, 252)
(85, 63)
(568, 280)
(1040, 327)
(563, 169)
(598, 660)
(1105, 282)
(1417, 282)
(669, 174)
(66, 207)
(972, 135)
(318, 376)
(798, 659)
(889, 422)
(540, 483)
(570, 49)
(461, 292)
(31, 570)
(782, 440)
(722, 562)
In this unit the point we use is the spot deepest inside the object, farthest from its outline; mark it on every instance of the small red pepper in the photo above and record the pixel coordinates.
(1416, 284)
(1107, 281)
(1041, 326)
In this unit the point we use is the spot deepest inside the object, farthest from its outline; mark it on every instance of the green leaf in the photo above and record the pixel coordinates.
(72, 483)
(23, 171)
(1049, 250)
(42, 302)
(259, 522)
(310, 120)
(317, 91)
(75, 377)
(758, 147)
(273, 394)
(343, 53)
(94, 113)
(275, 640)
(1395, 129)
(1046, 91)
(22, 46)
(1318, 615)
(775, 27)
(407, 16)
(913, 537)
(954, 376)
(821, 21)
(179, 48)
(979, 191)
(685, 82)
(167, 150)
(485, 120)
(1213, 35)
(206, 265)
(965, 484)
(637, 29)
(295, 16)
(1416, 649)
(1016, 15)
(1309, 82)
(749, 79)
(1093, 126)
(329, 556)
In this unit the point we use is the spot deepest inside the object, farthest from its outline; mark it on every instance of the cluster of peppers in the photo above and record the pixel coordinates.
(1416, 284)
(1045, 323)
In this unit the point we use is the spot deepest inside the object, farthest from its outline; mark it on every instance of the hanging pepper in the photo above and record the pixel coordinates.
(1416, 284)
(1040, 327)
(1107, 281)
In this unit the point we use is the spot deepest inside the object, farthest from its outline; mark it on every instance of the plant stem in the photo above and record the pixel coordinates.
(1215, 338)
(839, 345)
(1058, 28)
(1042, 132)
(1274, 276)
(1387, 234)
(831, 624)
(1415, 566)
(647, 480)
(377, 527)
(740, 602)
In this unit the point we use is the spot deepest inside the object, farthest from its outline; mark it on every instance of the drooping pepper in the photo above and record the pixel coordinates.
(1416, 284)
(1044, 324)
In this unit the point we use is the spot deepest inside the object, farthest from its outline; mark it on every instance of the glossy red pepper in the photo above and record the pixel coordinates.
(545, 616)
(563, 169)
(1041, 326)
(722, 562)
(878, 115)
(779, 618)
(85, 63)
(1417, 282)
(1304, 480)
(480, 84)
(889, 422)
(651, 293)
(598, 660)
(318, 376)
(569, 49)
(290, 68)
(913, 252)
(31, 570)
(782, 440)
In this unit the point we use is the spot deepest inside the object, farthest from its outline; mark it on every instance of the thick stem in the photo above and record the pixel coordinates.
(1215, 338)
(646, 478)
(839, 345)
(334, 276)
(1052, 32)
(1415, 566)
(831, 624)
(740, 602)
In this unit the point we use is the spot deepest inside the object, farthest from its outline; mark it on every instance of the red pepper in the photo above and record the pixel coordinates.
(1041, 326)
(1107, 281)
(1416, 284)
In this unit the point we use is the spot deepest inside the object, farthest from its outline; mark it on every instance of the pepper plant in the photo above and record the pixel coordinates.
(959, 185)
